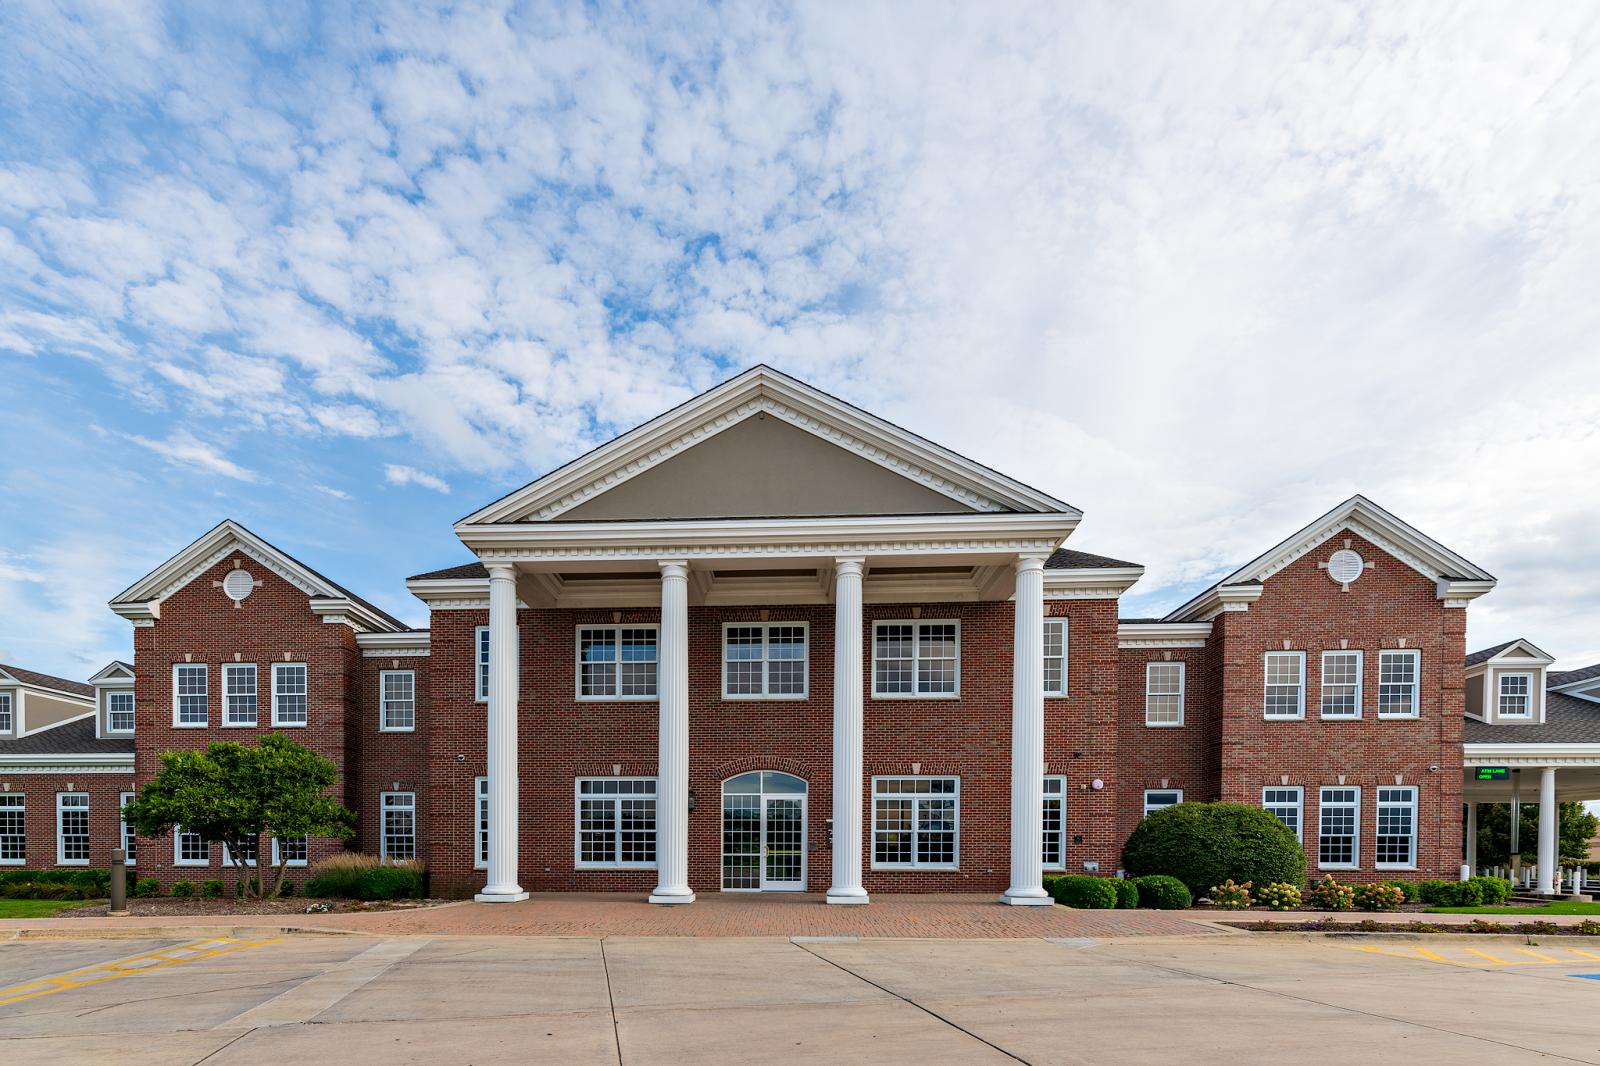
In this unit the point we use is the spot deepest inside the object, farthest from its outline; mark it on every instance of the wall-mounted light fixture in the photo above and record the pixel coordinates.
(691, 799)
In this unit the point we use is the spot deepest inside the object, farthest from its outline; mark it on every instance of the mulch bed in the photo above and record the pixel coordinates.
(181, 906)
(1479, 927)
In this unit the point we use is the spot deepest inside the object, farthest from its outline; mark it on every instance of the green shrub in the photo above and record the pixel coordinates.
(1478, 925)
(1279, 896)
(1587, 927)
(1127, 893)
(183, 888)
(1081, 891)
(1162, 893)
(1540, 928)
(1495, 889)
(211, 888)
(145, 887)
(87, 883)
(1230, 896)
(1205, 844)
(1471, 893)
(43, 890)
(1408, 889)
(1379, 898)
(285, 888)
(1329, 895)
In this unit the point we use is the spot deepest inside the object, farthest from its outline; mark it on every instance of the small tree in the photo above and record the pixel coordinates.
(1205, 844)
(245, 797)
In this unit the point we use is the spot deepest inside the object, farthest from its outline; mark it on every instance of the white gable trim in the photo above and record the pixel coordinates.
(764, 390)
(113, 675)
(1458, 580)
(1534, 659)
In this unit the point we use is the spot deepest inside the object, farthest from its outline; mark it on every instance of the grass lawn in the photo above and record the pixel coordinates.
(1530, 912)
(37, 908)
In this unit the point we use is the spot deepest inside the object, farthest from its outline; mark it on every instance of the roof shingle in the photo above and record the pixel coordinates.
(60, 684)
(70, 738)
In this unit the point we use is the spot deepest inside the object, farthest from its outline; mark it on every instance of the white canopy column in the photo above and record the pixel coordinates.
(1549, 819)
(1471, 857)
(1027, 738)
(502, 738)
(672, 772)
(847, 733)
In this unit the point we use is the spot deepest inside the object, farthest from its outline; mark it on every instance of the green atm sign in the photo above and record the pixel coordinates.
(1493, 773)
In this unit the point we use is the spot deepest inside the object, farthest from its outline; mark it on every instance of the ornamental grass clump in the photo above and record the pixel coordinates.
(1379, 898)
(352, 875)
(1230, 896)
(1329, 895)
(1279, 896)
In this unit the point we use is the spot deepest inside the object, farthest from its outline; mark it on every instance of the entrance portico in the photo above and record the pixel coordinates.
(1546, 774)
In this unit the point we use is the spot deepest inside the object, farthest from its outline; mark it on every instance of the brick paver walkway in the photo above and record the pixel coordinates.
(712, 915)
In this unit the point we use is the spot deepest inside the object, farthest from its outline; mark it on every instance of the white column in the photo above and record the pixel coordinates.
(672, 772)
(502, 738)
(1516, 818)
(1027, 738)
(1472, 839)
(847, 733)
(1549, 817)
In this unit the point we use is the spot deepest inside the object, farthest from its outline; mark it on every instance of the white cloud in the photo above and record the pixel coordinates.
(328, 490)
(185, 449)
(405, 475)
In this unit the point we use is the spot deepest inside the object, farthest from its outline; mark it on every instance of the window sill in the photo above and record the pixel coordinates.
(1341, 866)
(238, 725)
(397, 729)
(1283, 718)
(916, 695)
(751, 698)
(192, 863)
(617, 699)
(1387, 866)
(1339, 717)
(911, 869)
(1163, 725)
(191, 725)
(1398, 717)
(615, 866)
(289, 725)
(71, 862)
(13, 862)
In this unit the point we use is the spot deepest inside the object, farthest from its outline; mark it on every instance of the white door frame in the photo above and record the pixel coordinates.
(762, 797)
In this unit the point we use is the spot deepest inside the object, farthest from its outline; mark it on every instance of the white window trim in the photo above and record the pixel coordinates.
(481, 664)
(132, 709)
(277, 722)
(765, 627)
(1361, 676)
(61, 836)
(129, 854)
(872, 823)
(1149, 810)
(1300, 712)
(480, 820)
(1377, 810)
(1061, 796)
(383, 826)
(1416, 685)
(1499, 691)
(23, 807)
(1299, 806)
(227, 858)
(206, 670)
(10, 703)
(292, 863)
(617, 628)
(383, 702)
(177, 850)
(1183, 685)
(1355, 829)
(228, 668)
(577, 823)
(1066, 657)
(916, 640)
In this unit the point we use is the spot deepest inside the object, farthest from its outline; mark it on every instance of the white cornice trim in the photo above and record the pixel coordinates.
(1163, 634)
(110, 762)
(762, 389)
(1086, 583)
(1536, 659)
(1218, 600)
(1532, 754)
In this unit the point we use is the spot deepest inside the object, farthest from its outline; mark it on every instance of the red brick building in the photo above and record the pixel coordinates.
(768, 641)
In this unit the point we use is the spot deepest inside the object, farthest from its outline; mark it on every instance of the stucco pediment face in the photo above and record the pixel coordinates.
(760, 467)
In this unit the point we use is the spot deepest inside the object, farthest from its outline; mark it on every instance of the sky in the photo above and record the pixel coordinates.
(344, 273)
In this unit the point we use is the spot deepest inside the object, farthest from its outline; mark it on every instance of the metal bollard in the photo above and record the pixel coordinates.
(119, 881)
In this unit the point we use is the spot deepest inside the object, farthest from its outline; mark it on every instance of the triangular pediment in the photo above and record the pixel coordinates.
(765, 445)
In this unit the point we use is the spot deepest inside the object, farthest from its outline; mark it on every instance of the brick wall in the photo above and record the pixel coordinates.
(1182, 757)
(105, 806)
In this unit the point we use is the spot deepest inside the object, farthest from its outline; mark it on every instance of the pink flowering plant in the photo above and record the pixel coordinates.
(1230, 896)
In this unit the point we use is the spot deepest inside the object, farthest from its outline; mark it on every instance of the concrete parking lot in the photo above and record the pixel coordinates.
(1219, 999)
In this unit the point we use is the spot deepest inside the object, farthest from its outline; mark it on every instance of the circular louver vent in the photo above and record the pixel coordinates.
(1344, 566)
(238, 584)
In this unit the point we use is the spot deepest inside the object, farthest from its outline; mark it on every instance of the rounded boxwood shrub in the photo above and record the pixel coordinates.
(1083, 892)
(1495, 889)
(1206, 844)
(146, 887)
(183, 888)
(211, 888)
(1163, 893)
(1127, 893)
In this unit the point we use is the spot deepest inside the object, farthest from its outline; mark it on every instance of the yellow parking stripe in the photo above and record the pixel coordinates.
(1486, 955)
(1462, 955)
(1536, 955)
(194, 951)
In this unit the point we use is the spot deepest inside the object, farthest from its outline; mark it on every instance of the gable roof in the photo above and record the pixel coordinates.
(1567, 720)
(74, 737)
(35, 679)
(115, 670)
(1563, 678)
(1068, 559)
(1458, 579)
(758, 390)
(1534, 652)
(143, 597)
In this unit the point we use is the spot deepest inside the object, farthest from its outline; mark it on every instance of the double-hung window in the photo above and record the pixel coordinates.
(916, 822)
(72, 828)
(480, 857)
(399, 689)
(5, 712)
(1398, 680)
(1055, 656)
(188, 849)
(1055, 823)
(1285, 684)
(1341, 684)
(616, 823)
(1516, 695)
(617, 662)
(1396, 845)
(480, 656)
(1287, 804)
(289, 694)
(762, 661)
(13, 829)
(247, 853)
(189, 694)
(130, 843)
(399, 826)
(295, 851)
(119, 712)
(1339, 828)
(916, 658)
(239, 693)
(1163, 694)
(1159, 799)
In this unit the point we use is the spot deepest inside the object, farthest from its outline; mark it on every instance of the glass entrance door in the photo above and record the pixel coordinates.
(764, 833)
